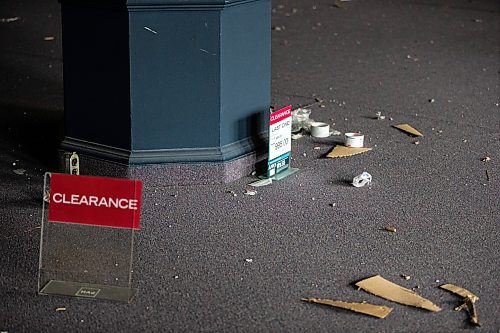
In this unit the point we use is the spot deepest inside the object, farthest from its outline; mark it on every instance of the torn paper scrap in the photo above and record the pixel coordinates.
(408, 129)
(343, 151)
(378, 311)
(469, 300)
(381, 287)
(471, 307)
(459, 291)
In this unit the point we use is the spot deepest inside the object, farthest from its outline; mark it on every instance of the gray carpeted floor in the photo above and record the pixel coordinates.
(387, 56)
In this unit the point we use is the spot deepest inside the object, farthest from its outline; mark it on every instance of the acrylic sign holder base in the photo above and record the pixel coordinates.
(84, 260)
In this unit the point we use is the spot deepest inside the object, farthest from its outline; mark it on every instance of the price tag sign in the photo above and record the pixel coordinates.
(280, 143)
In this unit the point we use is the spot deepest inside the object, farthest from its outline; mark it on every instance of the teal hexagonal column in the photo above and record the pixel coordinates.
(171, 91)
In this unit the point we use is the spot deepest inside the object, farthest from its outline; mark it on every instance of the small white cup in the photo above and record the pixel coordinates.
(320, 130)
(354, 140)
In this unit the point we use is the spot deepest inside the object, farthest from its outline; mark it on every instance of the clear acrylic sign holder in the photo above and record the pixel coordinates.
(85, 261)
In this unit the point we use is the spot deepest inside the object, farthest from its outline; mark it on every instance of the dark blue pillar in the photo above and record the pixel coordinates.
(167, 90)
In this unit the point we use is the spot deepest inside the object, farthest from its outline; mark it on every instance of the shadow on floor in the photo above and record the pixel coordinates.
(32, 134)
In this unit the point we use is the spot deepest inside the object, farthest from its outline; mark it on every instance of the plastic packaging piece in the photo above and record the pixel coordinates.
(320, 130)
(379, 116)
(362, 179)
(74, 164)
(300, 119)
(71, 163)
(354, 140)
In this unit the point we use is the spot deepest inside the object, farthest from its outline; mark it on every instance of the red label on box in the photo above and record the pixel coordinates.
(280, 115)
(95, 201)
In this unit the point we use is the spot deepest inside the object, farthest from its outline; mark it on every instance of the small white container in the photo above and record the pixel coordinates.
(320, 130)
(354, 140)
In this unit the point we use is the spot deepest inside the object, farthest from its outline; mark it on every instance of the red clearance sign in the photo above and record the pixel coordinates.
(280, 115)
(95, 201)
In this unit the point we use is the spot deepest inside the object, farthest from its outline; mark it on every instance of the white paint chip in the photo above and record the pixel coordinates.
(151, 30)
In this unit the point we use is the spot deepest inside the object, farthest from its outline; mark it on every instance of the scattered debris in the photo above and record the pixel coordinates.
(250, 192)
(354, 140)
(296, 136)
(19, 172)
(319, 129)
(343, 151)
(406, 277)
(261, 182)
(379, 116)
(486, 159)
(249, 260)
(468, 298)
(9, 19)
(339, 4)
(61, 309)
(381, 287)
(233, 193)
(335, 132)
(378, 311)
(362, 179)
(49, 38)
(390, 229)
(300, 119)
(408, 129)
